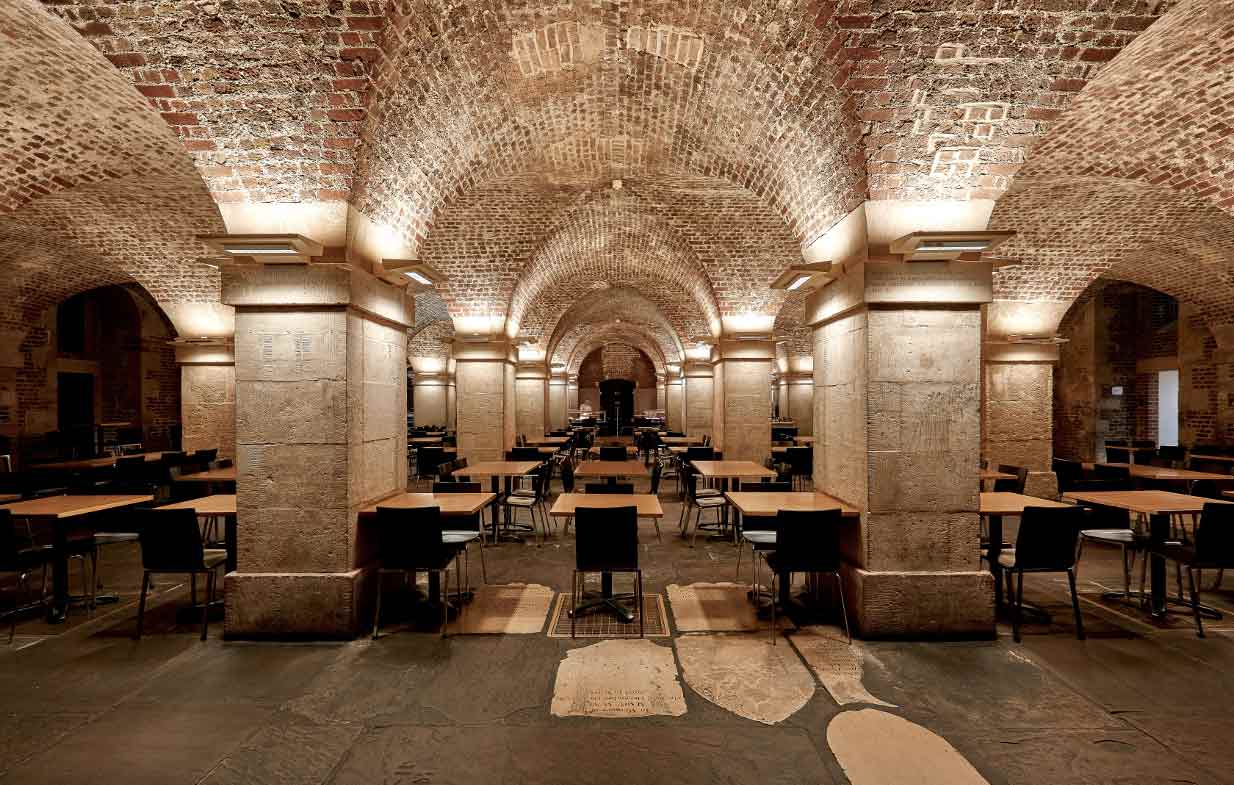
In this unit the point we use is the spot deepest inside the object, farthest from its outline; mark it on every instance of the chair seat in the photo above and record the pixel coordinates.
(1122, 536)
(711, 501)
(706, 493)
(523, 492)
(1007, 558)
(213, 557)
(759, 537)
(520, 501)
(459, 536)
(1184, 553)
(112, 538)
(29, 557)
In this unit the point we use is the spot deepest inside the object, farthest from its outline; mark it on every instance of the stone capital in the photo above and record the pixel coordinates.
(759, 348)
(698, 369)
(1000, 352)
(531, 370)
(316, 286)
(885, 283)
(217, 351)
(485, 349)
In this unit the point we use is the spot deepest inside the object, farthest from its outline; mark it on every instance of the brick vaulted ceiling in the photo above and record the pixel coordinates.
(489, 136)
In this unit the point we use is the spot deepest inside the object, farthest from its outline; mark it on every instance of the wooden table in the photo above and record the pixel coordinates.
(768, 505)
(731, 470)
(5, 498)
(1140, 471)
(803, 440)
(95, 463)
(548, 441)
(589, 469)
(993, 506)
(450, 504)
(430, 440)
(222, 474)
(679, 441)
(990, 474)
(221, 505)
(1159, 506)
(60, 510)
(496, 471)
(648, 506)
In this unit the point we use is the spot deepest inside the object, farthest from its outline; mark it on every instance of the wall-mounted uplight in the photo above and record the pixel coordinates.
(948, 246)
(803, 276)
(411, 272)
(263, 248)
(1039, 340)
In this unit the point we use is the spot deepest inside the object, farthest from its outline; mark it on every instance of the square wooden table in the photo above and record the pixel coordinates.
(86, 464)
(590, 469)
(1158, 506)
(5, 498)
(222, 474)
(803, 440)
(428, 440)
(732, 470)
(450, 504)
(221, 505)
(1140, 471)
(548, 441)
(768, 505)
(679, 441)
(60, 511)
(993, 506)
(496, 471)
(990, 474)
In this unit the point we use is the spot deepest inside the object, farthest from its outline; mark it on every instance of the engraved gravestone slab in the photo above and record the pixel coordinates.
(836, 663)
(626, 678)
(746, 675)
(877, 748)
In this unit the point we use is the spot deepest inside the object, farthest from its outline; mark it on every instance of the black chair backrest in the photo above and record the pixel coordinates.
(1214, 537)
(613, 453)
(1011, 486)
(766, 486)
(808, 541)
(170, 540)
(205, 456)
(1206, 488)
(567, 476)
(456, 487)
(174, 458)
(1143, 443)
(1117, 454)
(409, 539)
(1069, 473)
(1113, 476)
(1172, 454)
(656, 471)
(524, 454)
(700, 454)
(1115, 442)
(801, 459)
(606, 538)
(1047, 537)
(10, 543)
(428, 459)
(610, 487)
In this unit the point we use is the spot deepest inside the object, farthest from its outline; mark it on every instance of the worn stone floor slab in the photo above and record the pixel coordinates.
(513, 609)
(838, 664)
(712, 607)
(875, 747)
(746, 674)
(625, 678)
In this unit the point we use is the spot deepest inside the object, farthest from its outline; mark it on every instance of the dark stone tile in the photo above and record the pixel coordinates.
(282, 754)
(24, 735)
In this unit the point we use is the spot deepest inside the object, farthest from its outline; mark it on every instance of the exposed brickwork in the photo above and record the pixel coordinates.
(586, 338)
(616, 360)
(598, 312)
(433, 341)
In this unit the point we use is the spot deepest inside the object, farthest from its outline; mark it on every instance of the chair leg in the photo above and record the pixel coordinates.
(740, 547)
(193, 587)
(844, 608)
(483, 565)
(1220, 577)
(638, 576)
(774, 578)
(445, 599)
(1178, 579)
(141, 603)
(573, 602)
(656, 522)
(21, 595)
(377, 609)
(1019, 606)
(205, 606)
(1195, 603)
(1075, 606)
(94, 578)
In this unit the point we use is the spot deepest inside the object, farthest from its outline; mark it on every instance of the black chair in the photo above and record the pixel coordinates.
(413, 540)
(1170, 456)
(1212, 549)
(759, 530)
(524, 454)
(531, 496)
(204, 458)
(800, 464)
(606, 541)
(171, 543)
(1117, 454)
(1143, 443)
(428, 459)
(613, 453)
(1011, 486)
(131, 475)
(1046, 543)
(806, 541)
(1112, 526)
(1114, 476)
(696, 500)
(465, 530)
(19, 554)
(609, 487)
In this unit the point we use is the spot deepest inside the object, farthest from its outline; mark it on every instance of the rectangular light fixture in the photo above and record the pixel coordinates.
(265, 248)
(807, 276)
(411, 271)
(948, 246)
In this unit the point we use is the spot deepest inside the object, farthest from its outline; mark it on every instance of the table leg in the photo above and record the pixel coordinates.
(59, 575)
(994, 526)
(229, 536)
(1159, 532)
(495, 486)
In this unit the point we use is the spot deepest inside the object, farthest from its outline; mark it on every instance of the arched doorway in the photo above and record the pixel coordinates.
(617, 403)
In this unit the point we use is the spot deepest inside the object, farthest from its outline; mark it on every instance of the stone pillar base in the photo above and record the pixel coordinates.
(919, 604)
(299, 605)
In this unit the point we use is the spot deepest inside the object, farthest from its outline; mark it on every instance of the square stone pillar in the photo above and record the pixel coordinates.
(321, 407)
(1018, 406)
(208, 397)
(797, 401)
(897, 371)
(674, 400)
(451, 402)
(558, 383)
(571, 395)
(743, 395)
(660, 391)
(430, 397)
(484, 381)
(698, 398)
(531, 385)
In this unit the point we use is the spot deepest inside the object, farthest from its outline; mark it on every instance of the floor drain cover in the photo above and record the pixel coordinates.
(599, 623)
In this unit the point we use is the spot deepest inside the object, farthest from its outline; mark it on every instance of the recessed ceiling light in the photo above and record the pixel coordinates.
(418, 278)
(799, 282)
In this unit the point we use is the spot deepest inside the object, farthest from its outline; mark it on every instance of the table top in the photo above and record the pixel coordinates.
(1131, 449)
(1145, 472)
(497, 469)
(425, 440)
(732, 469)
(450, 503)
(990, 474)
(544, 440)
(804, 439)
(5, 498)
(680, 440)
(1148, 502)
(610, 469)
(217, 504)
(224, 474)
(1206, 457)
(54, 507)
(768, 504)
(1007, 503)
(648, 505)
(96, 463)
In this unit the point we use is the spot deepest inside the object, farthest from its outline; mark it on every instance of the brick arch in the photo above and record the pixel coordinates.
(797, 337)
(616, 360)
(485, 91)
(433, 341)
(1070, 231)
(587, 338)
(608, 305)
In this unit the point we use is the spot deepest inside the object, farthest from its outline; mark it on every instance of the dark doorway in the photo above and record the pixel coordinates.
(75, 405)
(617, 401)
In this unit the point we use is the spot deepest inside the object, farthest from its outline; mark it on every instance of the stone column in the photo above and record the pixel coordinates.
(698, 397)
(1018, 402)
(557, 384)
(571, 395)
(484, 380)
(661, 393)
(208, 396)
(321, 402)
(897, 370)
(531, 399)
(674, 400)
(797, 400)
(743, 392)
(451, 401)
(430, 397)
